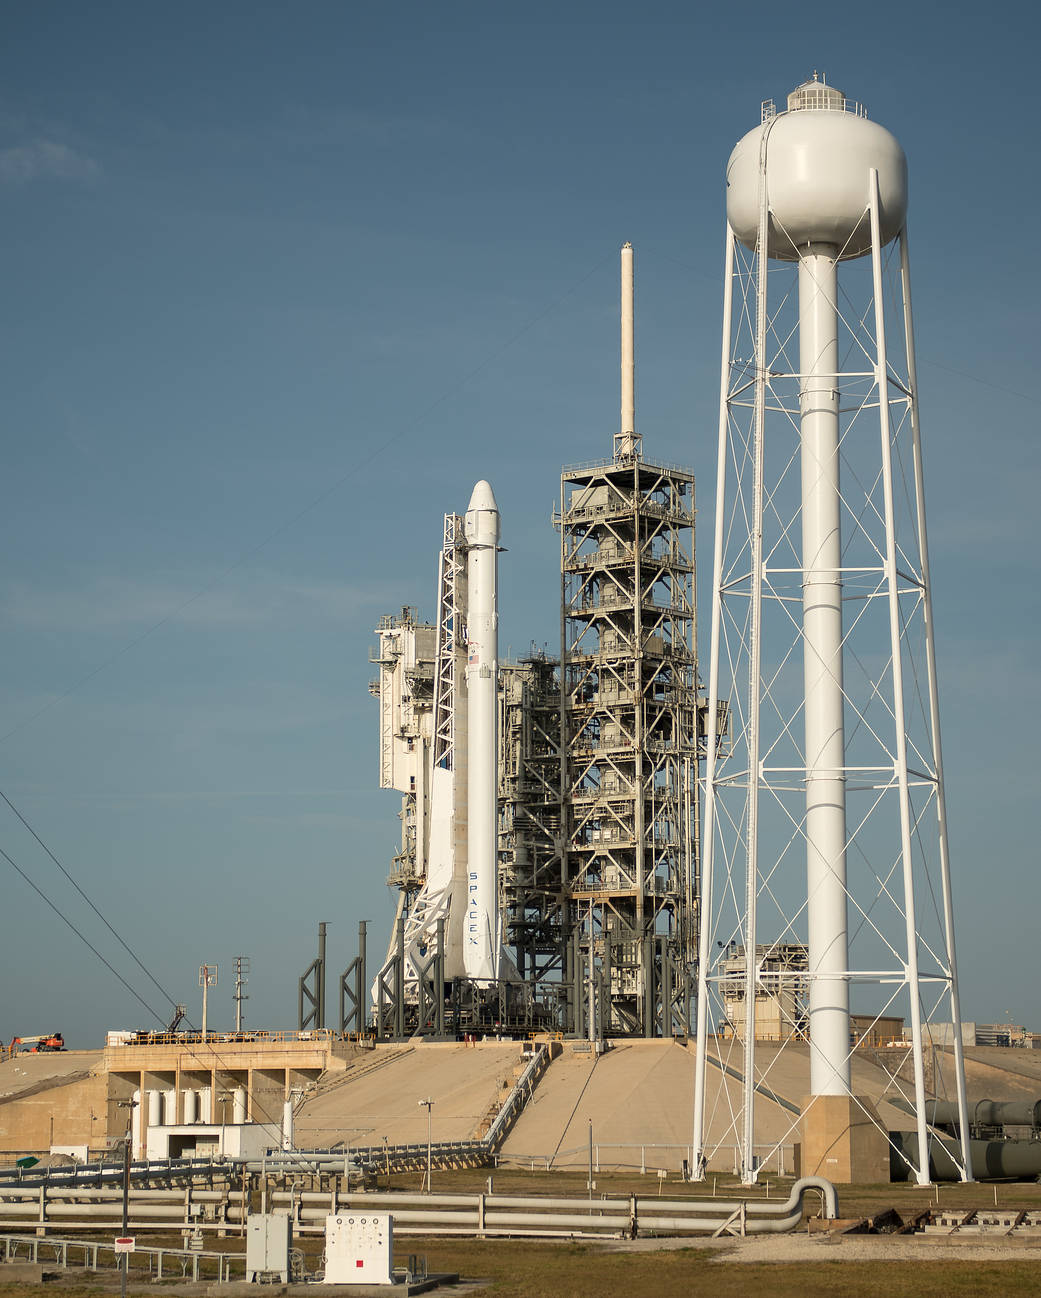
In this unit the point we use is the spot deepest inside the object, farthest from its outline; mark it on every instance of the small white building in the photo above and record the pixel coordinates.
(216, 1140)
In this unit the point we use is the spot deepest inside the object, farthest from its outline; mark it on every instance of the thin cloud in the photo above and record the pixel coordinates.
(45, 159)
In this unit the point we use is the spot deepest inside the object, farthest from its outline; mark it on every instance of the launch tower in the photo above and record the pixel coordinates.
(628, 706)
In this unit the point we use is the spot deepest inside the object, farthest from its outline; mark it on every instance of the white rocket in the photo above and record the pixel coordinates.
(481, 943)
(446, 758)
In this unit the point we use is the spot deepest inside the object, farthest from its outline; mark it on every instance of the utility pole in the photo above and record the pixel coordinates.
(241, 978)
(207, 979)
(126, 1104)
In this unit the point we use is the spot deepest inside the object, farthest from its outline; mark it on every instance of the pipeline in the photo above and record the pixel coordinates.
(490, 1214)
(484, 1214)
(992, 1160)
(985, 1113)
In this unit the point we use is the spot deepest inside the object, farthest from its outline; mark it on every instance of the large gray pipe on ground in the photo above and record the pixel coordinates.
(992, 1160)
(985, 1113)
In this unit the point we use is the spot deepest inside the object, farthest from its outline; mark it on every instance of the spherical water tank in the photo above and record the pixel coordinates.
(818, 157)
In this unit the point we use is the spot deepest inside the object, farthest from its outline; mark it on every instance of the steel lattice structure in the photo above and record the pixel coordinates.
(629, 709)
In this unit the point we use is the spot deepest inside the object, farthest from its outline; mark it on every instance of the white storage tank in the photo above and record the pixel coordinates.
(155, 1108)
(239, 1111)
(170, 1108)
(206, 1104)
(191, 1106)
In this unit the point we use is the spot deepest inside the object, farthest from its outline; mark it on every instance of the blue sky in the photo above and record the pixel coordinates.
(280, 283)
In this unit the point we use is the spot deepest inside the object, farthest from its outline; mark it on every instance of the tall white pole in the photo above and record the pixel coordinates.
(755, 675)
(698, 1158)
(934, 712)
(896, 642)
(481, 928)
(628, 411)
(822, 673)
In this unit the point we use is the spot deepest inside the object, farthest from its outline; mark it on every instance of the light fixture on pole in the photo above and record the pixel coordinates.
(207, 979)
(428, 1104)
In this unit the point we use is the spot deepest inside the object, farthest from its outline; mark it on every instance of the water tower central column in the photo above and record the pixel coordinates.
(822, 669)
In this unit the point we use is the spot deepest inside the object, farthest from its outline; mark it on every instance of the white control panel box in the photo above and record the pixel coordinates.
(269, 1237)
(359, 1248)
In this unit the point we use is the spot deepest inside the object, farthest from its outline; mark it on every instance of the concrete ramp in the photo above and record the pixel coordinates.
(379, 1098)
(25, 1074)
(639, 1097)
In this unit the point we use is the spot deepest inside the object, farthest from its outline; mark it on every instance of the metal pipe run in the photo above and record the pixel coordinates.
(992, 1160)
(479, 1214)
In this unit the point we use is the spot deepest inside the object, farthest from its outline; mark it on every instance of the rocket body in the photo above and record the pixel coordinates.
(481, 919)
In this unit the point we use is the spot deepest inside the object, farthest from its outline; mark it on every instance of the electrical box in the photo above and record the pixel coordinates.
(269, 1238)
(359, 1248)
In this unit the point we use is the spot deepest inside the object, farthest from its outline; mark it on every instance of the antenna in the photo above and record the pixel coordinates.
(241, 978)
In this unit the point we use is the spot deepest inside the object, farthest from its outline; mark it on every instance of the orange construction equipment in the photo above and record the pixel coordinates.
(34, 1045)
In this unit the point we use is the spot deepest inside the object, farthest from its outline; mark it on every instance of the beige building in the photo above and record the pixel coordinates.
(82, 1098)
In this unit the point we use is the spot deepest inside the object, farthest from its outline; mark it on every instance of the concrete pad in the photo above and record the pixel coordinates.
(465, 1083)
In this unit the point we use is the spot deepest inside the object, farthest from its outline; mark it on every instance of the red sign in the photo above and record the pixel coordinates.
(124, 1244)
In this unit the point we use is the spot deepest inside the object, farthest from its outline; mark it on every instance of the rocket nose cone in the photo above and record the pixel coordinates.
(483, 497)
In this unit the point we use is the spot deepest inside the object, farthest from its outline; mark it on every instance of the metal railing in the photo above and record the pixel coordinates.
(517, 1098)
(246, 1037)
(105, 1173)
(64, 1252)
(650, 1157)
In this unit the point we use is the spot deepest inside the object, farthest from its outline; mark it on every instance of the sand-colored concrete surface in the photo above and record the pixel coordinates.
(380, 1097)
(27, 1072)
(639, 1097)
(57, 1098)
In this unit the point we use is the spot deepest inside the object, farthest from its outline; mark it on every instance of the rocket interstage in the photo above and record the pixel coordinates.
(481, 925)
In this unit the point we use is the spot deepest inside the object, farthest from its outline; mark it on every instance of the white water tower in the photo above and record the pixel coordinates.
(824, 826)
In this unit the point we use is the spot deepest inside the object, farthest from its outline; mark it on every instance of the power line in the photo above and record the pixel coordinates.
(133, 954)
(218, 1058)
(85, 940)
